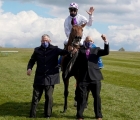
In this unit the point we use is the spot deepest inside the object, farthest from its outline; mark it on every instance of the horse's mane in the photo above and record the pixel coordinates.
(71, 36)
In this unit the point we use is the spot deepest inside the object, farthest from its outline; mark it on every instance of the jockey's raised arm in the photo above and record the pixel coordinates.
(76, 19)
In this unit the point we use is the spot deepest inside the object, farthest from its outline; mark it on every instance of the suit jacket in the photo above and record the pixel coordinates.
(47, 70)
(90, 65)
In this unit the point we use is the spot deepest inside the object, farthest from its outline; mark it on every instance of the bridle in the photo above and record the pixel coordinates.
(76, 41)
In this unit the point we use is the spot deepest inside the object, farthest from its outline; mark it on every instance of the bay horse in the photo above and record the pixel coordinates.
(68, 68)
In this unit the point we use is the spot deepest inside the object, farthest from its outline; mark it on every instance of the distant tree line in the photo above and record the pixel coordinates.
(122, 49)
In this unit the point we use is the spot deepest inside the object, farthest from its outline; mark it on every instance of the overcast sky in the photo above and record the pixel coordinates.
(22, 22)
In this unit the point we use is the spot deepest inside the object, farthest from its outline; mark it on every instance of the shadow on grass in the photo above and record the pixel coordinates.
(15, 109)
(22, 109)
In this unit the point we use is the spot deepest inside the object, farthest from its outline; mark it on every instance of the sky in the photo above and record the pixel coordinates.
(23, 22)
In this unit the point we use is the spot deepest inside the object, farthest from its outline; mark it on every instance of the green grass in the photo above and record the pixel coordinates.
(120, 88)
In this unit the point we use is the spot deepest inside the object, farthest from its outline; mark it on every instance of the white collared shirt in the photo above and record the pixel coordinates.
(80, 20)
(106, 42)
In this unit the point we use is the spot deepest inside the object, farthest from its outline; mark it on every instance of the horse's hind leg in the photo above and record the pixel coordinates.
(87, 97)
(76, 97)
(76, 91)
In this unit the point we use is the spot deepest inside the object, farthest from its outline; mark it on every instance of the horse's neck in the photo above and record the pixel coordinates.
(70, 40)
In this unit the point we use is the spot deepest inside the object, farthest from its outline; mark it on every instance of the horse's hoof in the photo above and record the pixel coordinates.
(63, 111)
(75, 104)
(86, 105)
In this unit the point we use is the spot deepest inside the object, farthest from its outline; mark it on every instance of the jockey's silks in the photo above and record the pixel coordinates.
(73, 21)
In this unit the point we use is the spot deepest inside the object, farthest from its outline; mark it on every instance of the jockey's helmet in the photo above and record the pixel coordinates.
(73, 5)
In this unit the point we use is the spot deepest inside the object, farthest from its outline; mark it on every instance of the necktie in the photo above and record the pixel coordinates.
(87, 52)
(73, 21)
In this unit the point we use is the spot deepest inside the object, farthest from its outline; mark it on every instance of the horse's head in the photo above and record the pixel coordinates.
(76, 35)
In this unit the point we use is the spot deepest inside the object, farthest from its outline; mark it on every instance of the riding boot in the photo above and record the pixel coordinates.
(62, 63)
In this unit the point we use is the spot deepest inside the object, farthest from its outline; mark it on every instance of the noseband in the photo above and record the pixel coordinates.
(76, 41)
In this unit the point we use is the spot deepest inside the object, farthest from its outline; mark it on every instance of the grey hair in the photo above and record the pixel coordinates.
(46, 35)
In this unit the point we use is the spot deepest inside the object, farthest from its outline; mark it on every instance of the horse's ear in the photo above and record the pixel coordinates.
(83, 25)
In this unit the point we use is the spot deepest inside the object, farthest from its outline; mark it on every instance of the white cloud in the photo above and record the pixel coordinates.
(110, 11)
(26, 27)
(1, 2)
(138, 48)
(126, 35)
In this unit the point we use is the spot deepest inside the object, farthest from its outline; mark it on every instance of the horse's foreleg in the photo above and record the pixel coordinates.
(66, 92)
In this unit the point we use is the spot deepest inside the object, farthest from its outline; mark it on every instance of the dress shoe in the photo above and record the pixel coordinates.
(32, 117)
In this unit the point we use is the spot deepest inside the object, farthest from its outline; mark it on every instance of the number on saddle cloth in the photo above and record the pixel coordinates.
(100, 63)
(59, 60)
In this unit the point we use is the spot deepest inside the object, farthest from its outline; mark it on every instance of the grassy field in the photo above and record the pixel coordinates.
(120, 88)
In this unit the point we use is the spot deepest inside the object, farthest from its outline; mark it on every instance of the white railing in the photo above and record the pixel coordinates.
(8, 51)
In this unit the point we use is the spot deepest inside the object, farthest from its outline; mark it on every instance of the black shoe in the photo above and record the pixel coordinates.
(32, 117)
(46, 116)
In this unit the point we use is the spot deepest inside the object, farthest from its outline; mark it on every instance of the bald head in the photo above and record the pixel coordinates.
(89, 39)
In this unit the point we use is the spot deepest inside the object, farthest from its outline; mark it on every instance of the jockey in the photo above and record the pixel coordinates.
(76, 19)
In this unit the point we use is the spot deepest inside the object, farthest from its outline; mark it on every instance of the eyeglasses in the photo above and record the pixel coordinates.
(72, 9)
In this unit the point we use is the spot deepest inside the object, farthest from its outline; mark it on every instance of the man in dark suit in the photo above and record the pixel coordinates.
(90, 76)
(46, 75)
